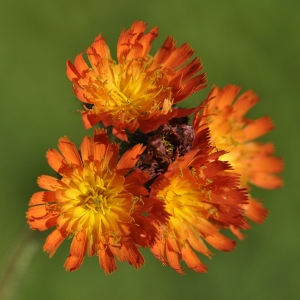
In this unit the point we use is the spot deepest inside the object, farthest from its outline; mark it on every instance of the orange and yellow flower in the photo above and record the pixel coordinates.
(202, 197)
(223, 114)
(139, 90)
(98, 201)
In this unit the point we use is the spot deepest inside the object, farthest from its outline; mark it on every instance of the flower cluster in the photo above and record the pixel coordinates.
(166, 185)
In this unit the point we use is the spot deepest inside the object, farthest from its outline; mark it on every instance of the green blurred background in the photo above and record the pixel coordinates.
(254, 44)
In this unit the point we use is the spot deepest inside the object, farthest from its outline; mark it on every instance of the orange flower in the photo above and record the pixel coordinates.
(201, 197)
(232, 132)
(95, 203)
(139, 90)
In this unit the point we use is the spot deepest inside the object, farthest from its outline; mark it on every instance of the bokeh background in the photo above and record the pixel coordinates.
(254, 44)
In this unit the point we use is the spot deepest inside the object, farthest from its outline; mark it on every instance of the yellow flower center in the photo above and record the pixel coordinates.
(186, 200)
(94, 200)
(92, 192)
(127, 90)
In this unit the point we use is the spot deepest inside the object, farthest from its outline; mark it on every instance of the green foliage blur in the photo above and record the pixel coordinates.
(254, 44)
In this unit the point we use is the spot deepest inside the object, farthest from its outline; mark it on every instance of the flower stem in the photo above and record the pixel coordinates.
(15, 263)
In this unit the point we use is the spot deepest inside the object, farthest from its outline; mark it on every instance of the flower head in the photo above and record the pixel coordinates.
(97, 201)
(139, 90)
(223, 114)
(201, 197)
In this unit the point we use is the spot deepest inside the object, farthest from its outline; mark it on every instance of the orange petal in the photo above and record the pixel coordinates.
(226, 96)
(244, 103)
(172, 244)
(87, 149)
(43, 223)
(129, 38)
(192, 260)
(53, 241)
(258, 128)
(129, 159)
(81, 65)
(205, 227)
(81, 95)
(49, 183)
(72, 72)
(106, 260)
(135, 258)
(101, 47)
(94, 58)
(89, 119)
(191, 68)
(173, 258)
(255, 211)
(190, 87)
(267, 148)
(265, 180)
(236, 231)
(266, 164)
(40, 218)
(37, 212)
(158, 249)
(137, 177)
(77, 251)
(147, 39)
(100, 137)
(145, 234)
(111, 156)
(69, 151)
(57, 162)
(120, 134)
(42, 198)
(179, 56)
(128, 253)
(197, 243)
(165, 51)
(96, 148)
(55, 159)
(220, 242)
